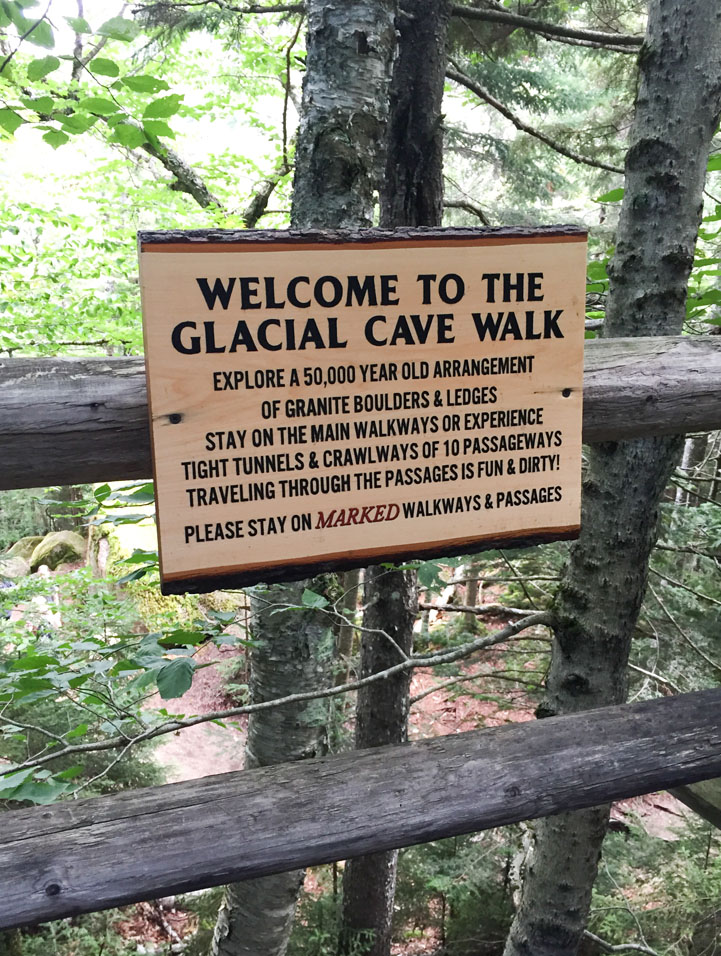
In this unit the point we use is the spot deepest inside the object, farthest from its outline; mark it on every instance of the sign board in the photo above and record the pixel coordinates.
(333, 400)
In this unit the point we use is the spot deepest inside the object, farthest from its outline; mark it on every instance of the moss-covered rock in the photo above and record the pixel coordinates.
(57, 548)
(24, 547)
(13, 568)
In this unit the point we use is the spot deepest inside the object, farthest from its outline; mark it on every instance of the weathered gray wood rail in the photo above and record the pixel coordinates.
(92, 854)
(68, 421)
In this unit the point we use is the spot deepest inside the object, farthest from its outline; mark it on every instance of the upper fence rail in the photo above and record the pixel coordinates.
(73, 421)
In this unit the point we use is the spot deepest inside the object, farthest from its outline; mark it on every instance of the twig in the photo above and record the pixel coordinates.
(459, 77)
(620, 947)
(658, 678)
(518, 578)
(684, 635)
(685, 587)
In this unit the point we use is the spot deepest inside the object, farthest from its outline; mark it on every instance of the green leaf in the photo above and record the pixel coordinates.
(99, 105)
(128, 135)
(596, 270)
(158, 128)
(42, 35)
(37, 69)
(182, 638)
(56, 137)
(118, 28)
(616, 195)
(312, 599)
(145, 84)
(104, 67)
(78, 731)
(163, 107)
(76, 122)
(175, 678)
(10, 120)
(79, 24)
(41, 104)
(10, 782)
(70, 774)
(714, 163)
(101, 492)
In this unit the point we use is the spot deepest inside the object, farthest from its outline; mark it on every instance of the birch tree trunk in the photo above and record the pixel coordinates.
(411, 195)
(343, 116)
(677, 111)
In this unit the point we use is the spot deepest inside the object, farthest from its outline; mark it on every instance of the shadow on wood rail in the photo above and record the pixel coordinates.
(89, 855)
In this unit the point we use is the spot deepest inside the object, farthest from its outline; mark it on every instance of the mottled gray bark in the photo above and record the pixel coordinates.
(411, 195)
(342, 123)
(597, 605)
(295, 650)
(381, 718)
(344, 112)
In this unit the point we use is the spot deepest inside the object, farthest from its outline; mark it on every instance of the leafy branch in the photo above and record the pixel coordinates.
(507, 633)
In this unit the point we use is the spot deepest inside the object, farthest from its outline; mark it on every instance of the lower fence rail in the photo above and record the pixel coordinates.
(89, 855)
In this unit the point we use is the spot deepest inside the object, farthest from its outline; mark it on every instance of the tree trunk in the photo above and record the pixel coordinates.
(381, 718)
(597, 605)
(294, 651)
(411, 195)
(343, 118)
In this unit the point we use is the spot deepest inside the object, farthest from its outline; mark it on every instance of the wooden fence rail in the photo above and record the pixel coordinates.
(70, 421)
(92, 854)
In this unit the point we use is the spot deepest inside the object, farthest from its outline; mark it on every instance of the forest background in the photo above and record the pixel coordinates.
(108, 118)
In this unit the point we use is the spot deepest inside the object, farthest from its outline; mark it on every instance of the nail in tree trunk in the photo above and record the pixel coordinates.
(342, 124)
(677, 112)
(411, 195)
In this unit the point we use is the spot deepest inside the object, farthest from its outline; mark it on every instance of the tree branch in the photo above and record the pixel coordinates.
(229, 8)
(484, 610)
(422, 660)
(621, 947)
(187, 180)
(459, 77)
(469, 206)
(550, 30)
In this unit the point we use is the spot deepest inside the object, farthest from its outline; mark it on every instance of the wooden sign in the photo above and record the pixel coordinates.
(323, 401)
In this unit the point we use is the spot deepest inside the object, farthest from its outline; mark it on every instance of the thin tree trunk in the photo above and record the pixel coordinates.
(677, 112)
(411, 194)
(342, 122)
(381, 718)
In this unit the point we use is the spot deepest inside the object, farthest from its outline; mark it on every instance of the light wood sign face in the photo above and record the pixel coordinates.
(332, 400)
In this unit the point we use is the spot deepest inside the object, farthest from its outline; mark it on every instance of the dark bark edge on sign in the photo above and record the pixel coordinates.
(202, 238)
(215, 579)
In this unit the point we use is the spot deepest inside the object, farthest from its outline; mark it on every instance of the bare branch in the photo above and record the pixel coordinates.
(258, 204)
(227, 7)
(620, 947)
(684, 635)
(550, 30)
(459, 77)
(187, 180)
(685, 587)
(469, 206)
(484, 610)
